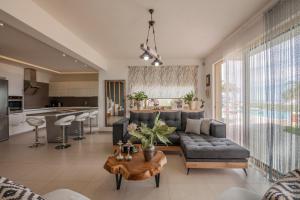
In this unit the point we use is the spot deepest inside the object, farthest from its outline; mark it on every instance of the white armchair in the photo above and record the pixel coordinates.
(64, 194)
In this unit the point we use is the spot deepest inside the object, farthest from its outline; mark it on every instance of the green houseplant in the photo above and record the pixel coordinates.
(139, 97)
(150, 136)
(191, 99)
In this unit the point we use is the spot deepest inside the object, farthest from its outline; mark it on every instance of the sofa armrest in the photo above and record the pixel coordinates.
(120, 130)
(218, 129)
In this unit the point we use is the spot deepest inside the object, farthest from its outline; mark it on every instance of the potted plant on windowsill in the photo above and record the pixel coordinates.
(150, 136)
(191, 100)
(139, 97)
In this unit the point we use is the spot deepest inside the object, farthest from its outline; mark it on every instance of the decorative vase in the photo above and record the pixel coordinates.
(194, 105)
(138, 105)
(190, 105)
(149, 153)
(131, 103)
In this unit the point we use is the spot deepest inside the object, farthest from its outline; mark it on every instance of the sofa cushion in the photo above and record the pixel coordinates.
(205, 126)
(193, 126)
(172, 118)
(143, 117)
(208, 147)
(189, 115)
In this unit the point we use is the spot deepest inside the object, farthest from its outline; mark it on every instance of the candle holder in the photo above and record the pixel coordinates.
(128, 157)
(120, 156)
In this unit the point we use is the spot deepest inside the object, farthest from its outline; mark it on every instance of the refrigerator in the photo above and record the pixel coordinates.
(4, 118)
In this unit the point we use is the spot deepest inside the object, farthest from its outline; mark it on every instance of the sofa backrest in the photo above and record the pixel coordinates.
(142, 117)
(171, 118)
(189, 115)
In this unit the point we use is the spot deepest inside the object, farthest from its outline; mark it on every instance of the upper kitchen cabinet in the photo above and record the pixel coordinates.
(73, 89)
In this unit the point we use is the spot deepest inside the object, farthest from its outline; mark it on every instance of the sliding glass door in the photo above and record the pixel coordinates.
(233, 104)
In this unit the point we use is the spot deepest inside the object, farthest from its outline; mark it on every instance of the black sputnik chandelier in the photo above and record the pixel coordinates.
(149, 53)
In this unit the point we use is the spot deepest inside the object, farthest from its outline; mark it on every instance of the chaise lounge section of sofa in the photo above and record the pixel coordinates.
(199, 150)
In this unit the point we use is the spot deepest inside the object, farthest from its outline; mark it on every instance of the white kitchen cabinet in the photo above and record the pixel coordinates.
(18, 124)
(73, 89)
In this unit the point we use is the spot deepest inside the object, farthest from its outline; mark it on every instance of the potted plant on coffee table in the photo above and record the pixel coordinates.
(150, 136)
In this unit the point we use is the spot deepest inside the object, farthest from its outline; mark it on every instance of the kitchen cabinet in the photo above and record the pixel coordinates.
(18, 124)
(73, 89)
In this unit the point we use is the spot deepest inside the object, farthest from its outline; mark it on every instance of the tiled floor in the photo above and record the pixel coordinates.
(80, 168)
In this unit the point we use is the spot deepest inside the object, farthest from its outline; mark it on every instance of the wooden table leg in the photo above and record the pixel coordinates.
(118, 181)
(157, 179)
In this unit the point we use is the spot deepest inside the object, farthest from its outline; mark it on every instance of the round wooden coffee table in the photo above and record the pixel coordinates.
(136, 169)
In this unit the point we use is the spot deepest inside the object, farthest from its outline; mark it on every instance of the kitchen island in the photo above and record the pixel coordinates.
(55, 132)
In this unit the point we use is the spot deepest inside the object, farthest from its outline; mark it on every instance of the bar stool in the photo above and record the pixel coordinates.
(92, 115)
(63, 123)
(81, 118)
(35, 122)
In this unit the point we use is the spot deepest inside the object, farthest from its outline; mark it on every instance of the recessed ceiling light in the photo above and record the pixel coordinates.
(76, 61)
(1, 24)
(64, 55)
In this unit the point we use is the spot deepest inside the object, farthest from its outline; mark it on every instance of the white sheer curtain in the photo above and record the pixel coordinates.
(282, 97)
(267, 80)
(163, 82)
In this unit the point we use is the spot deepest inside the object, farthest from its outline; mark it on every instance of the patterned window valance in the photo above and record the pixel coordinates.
(163, 82)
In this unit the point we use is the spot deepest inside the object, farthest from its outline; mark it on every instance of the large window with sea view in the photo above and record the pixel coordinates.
(260, 100)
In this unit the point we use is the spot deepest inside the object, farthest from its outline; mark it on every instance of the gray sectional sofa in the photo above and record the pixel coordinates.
(200, 151)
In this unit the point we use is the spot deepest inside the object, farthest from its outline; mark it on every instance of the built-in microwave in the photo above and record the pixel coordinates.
(15, 104)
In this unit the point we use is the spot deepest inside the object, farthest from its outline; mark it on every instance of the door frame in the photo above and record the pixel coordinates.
(217, 89)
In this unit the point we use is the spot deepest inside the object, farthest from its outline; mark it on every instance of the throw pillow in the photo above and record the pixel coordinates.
(193, 126)
(12, 191)
(286, 188)
(205, 126)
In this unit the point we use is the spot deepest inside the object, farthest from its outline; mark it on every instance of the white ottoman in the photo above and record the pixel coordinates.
(64, 194)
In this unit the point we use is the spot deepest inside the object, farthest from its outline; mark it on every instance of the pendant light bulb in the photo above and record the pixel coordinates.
(156, 62)
(146, 56)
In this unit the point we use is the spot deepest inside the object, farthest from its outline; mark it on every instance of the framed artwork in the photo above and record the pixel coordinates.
(207, 80)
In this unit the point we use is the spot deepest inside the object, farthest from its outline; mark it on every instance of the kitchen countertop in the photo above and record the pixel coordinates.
(51, 108)
(60, 111)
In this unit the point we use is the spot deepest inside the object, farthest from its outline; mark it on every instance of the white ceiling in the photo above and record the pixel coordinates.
(185, 28)
(18, 45)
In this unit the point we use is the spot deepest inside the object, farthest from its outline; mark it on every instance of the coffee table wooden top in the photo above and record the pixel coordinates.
(137, 168)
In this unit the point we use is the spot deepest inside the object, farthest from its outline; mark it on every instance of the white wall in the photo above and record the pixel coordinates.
(15, 76)
(118, 70)
(29, 17)
(236, 41)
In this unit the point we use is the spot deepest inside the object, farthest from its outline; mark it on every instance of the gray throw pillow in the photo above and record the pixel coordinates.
(193, 126)
(205, 126)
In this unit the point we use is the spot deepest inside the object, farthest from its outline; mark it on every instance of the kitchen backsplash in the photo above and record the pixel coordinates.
(73, 101)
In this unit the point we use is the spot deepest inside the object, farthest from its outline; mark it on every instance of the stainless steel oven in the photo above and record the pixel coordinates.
(15, 104)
